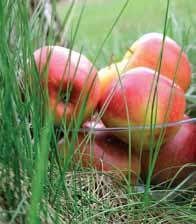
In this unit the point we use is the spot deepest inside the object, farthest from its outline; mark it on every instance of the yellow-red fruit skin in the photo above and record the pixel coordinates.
(131, 102)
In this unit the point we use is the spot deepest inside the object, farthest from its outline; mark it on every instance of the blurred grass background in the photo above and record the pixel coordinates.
(138, 18)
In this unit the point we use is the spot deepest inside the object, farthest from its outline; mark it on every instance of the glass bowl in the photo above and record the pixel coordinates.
(100, 148)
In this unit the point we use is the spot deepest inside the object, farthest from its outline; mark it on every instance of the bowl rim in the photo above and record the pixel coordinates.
(135, 127)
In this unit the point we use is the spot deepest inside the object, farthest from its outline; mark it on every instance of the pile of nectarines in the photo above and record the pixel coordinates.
(139, 104)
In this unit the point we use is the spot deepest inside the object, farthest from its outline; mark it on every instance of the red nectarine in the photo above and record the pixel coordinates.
(179, 152)
(68, 73)
(146, 52)
(131, 102)
(105, 153)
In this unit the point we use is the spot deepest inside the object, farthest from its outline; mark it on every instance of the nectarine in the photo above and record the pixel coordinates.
(139, 100)
(105, 153)
(71, 79)
(108, 74)
(146, 52)
(179, 152)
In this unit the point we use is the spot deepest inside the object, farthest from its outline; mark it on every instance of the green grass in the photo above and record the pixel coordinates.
(35, 189)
